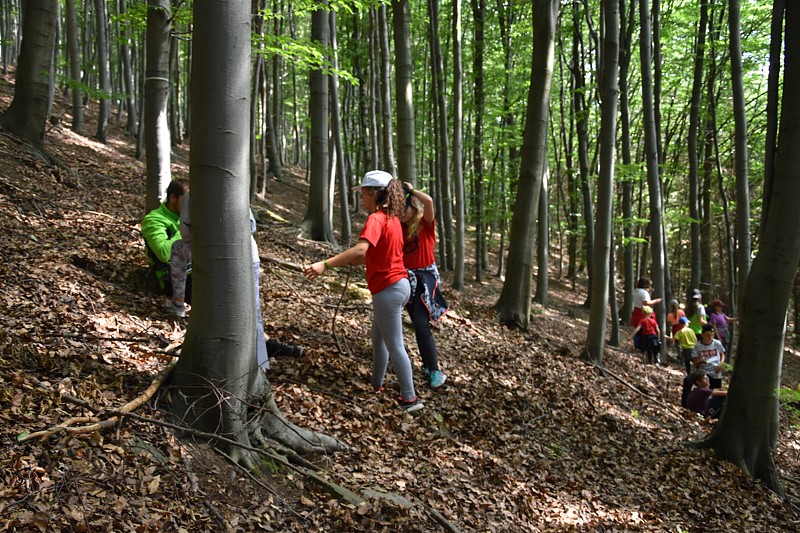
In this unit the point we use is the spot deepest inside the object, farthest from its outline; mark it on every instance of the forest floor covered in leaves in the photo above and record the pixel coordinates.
(523, 436)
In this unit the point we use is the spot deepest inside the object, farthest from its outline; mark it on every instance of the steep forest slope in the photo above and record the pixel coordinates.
(523, 437)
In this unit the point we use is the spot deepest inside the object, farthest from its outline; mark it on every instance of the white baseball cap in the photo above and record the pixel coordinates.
(375, 178)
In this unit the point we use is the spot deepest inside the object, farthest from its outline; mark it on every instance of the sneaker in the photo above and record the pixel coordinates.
(178, 310)
(437, 379)
(277, 349)
(410, 407)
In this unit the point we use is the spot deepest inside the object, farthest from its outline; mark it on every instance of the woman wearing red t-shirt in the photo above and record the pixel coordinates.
(380, 247)
(427, 303)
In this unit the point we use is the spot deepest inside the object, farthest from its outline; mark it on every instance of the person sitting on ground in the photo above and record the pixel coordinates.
(702, 399)
(160, 229)
(709, 355)
(686, 340)
(650, 336)
(641, 297)
(719, 320)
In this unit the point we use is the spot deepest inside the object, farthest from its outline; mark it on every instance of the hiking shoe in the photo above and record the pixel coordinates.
(178, 310)
(437, 379)
(410, 407)
(277, 349)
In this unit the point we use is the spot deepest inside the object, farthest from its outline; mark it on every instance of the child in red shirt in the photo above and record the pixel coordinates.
(427, 303)
(650, 336)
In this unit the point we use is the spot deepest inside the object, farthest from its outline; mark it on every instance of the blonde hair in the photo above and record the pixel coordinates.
(414, 222)
(647, 310)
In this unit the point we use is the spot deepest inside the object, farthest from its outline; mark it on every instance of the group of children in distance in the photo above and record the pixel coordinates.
(703, 358)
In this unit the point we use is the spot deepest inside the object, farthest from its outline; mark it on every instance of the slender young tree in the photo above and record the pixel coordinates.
(694, 166)
(773, 92)
(217, 380)
(156, 92)
(478, 16)
(458, 150)
(609, 91)
(74, 58)
(406, 136)
(651, 162)
(514, 304)
(386, 92)
(103, 70)
(27, 114)
(543, 245)
(740, 141)
(317, 222)
(336, 135)
(443, 172)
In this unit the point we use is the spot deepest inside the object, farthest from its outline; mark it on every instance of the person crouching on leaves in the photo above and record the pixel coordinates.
(380, 247)
(427, 303)
(650, 342)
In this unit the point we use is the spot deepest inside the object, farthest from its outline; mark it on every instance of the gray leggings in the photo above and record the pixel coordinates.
(387, 338)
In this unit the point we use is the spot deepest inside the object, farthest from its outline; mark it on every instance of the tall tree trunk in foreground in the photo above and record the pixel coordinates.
(217, 379)
(626, 33)
(609, 91)
(748, 431)
(27, 114)
(406, 137)
(336, 135)
(514, 304)
(156, 91)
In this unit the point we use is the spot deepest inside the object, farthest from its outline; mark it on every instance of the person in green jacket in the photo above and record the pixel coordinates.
(160, 231)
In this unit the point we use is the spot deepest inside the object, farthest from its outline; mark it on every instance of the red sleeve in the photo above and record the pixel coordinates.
(373, 229)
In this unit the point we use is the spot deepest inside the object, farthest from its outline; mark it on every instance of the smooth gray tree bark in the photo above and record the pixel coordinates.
(156, 92)
(318, 221)
(404, 102)
(609, 91)
(74, 58)
(747, 433)
(103, 70)
(458, 151)
(218, 387)
(651, 162)
(27, 115)
(514, 304)
(740, 142)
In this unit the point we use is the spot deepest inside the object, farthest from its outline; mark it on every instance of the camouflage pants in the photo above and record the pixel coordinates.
(179, 263)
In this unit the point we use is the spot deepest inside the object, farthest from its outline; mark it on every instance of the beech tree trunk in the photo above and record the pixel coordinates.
(514, 304)
(101, 46)
(651, 160)
(458, 151)
(27, 114)
(609, 91)
(74, 58)
(317, 223)
(406, 137)
(156, 93)
(217, 379)
(748, 430)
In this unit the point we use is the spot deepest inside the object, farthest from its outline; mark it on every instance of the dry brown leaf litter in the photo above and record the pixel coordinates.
(523, 437)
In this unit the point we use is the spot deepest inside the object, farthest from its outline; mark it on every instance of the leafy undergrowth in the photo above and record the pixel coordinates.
(523, 436)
